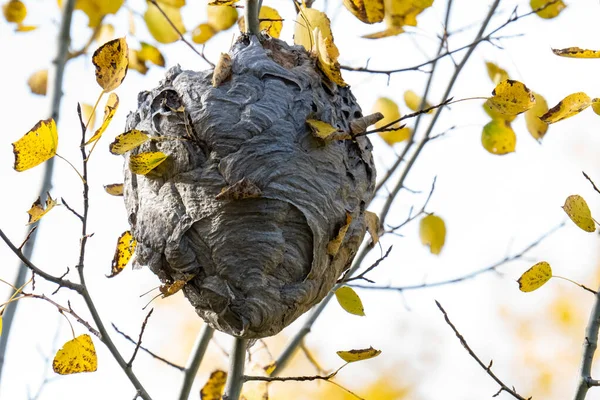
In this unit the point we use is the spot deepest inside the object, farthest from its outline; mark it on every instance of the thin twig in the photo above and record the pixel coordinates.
(139, 343)
(589, 349)
(422, 211)
(591, 181)
(196, 356)
(169, 363)
(71, 209)
(487, 368)
(27, 238)
(372, 267)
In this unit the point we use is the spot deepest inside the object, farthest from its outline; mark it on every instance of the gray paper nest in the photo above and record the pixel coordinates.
(253, 264)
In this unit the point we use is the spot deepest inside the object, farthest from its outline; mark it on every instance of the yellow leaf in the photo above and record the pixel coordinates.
(222, 2)
(145, 162)
(368, 11)
(151, 54)
(389, 32)
(569, 106)
(202, 33)
(577, 52)
(350, 301)
(128, 141)
(14, 11)
(114, 189)
(596, 105)
(391, 113)
(213, 388)
(511, 98)
(97, 9)
(125, 248)
(579, 212)
(38, 81)
(399, 13)
(171, 288)
(221, 18)
(111, 61)
(498, 137)
(37, 146)
(327, 54)
(334, 245)
(87, 116)
(136, 63)
(413, 101)
(77, 355)
(268, 369)
(549, 12)
(159, 27)
(105, 34)
(358, 355)
(109, 111)
(270, 21)
(25, 28)
(535, 125)
(535, 277)
(372, 221)
(307, 20)
(496, 73)
(325, 131)
(37, 211)
(172, 3)
(432, 231)
(495, 114)
(0, 325)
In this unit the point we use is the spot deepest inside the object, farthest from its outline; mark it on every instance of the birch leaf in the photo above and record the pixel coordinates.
(358, 355)
(368, 11)
(128, 141)
(535, 277)
(14, 11)
(202, 33)
(511, 97)
(432, 231)
(372, 221)
(390, 112)
(77, 355)
(125, 248)
(37, 146)
(109, 112)
(571, 105)
(549, 12)
(596, 105)
(495, 114)
(114, 189)
(159, 27)
(498, 137)
(350, 301)
(145, 162)
(37, 210)
(577, 209)
(327, 54)
(496, 73)
(151, 54)
(576, 52)
(221, 18)
(38, 82)
(111, 61)
(536, 127)
(413, 101)
(213, 388)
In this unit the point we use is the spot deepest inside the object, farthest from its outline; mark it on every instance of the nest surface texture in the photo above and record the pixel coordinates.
(255, 261)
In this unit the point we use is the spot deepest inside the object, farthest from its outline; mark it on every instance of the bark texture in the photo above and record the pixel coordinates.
(256, 257)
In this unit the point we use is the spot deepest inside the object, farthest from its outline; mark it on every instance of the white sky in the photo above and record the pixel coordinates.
(492, 205)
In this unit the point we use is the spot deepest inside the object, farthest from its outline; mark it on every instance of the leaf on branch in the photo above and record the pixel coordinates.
(498, 137)
(368, 11)
(350, 301)
(37, 210)
(111, 61)
(549, 12)
(125, 248)
(535, 277)
(571, 105)
(372, 221)
(577, 209)
(202, 33)
(14, 11)
(38, 82)
(358, 355)
(334, 245)
(390, 112)
(270, 21)
(128, 141)
(159, 27)
(536, 127)
(327, 55)
(496, 73)
(576, 52)
(221, 18)
(511, 97)
(37, 146)
(77, 355)
(432, 231)
(143, 163)
(151, 54)
(213, 388)
(109, 112)
(325, 131)
(114, 189)
(413, 101)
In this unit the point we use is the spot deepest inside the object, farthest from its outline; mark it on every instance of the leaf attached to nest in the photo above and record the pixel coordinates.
(334, 246)
(242, 189)
(125, 248)
(143, 163)
(128, 141)
(222, 70)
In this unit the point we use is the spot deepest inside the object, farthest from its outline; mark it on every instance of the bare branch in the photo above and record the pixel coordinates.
(139, 343)
(591, 181)
(196, 356)
(589, 349)
(235, 376)
(372, 267)
(487, 368)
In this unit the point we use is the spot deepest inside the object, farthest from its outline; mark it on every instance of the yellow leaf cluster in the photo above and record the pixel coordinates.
(569, 106)
(77, 355)
(511, 98)
(334, 245)
(368, 11)
(400, 13)
(143, 163)
(37, 146)
(124, 251)
(432, 231)
(111, 61)
(128, 141)
(535, 277)
(498, 137)
(349, 300)
(38, 82)
(37, 210)
(114, 189)
(547, 11)
(576, 52)
(358, 355)
(213, 388)
(109, 112)
(391, 112)
(159, 27)
(577, 209)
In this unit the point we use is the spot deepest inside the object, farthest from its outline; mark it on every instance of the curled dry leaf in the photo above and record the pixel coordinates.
(571, 105)
(77, 355)
(37, 146)
(358, 355)
(123, 253)
(577, 209)
(222, 70)
(37, 210)
(38, 82)
(111, 61)
(576, 52)
(511, 97)
(498, 137)
(535, 277)
(109, 112)
(372, 225)
(350, 301)
(334, 245)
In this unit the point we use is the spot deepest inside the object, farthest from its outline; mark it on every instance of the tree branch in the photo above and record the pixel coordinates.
(589, 349)
(139, 343)
(235, 377)
(191, 369)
